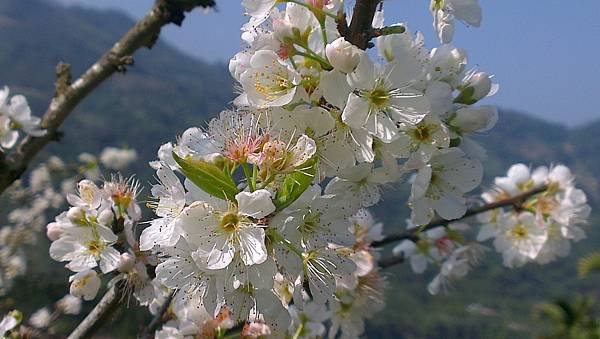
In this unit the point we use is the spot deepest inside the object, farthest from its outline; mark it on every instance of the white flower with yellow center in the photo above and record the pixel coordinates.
(85, 284)
(521, 239)
(380, 99)
(85, 246)
(216, 234)
(269, 81)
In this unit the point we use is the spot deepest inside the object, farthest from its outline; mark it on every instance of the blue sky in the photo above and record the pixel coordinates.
(543, 52)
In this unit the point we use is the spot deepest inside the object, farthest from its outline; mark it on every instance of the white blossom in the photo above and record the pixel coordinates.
(117, 158)
(85, 284)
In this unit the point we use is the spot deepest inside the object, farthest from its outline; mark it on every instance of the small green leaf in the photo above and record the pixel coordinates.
(466, 96)
(295, 184)
(208, 177)
(395, 29)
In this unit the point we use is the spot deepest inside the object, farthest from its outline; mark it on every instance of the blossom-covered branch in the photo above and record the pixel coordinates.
(262, 221)
(413, 234)
(68, 95)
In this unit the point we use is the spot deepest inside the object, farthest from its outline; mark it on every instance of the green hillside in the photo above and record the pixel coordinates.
(166, 92)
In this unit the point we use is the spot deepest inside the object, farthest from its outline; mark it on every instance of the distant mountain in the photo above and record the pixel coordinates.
(166, 92)
(161, 95)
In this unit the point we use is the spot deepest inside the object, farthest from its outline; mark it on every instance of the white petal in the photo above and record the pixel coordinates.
(356, 111)
(257, 204)
(252, 243)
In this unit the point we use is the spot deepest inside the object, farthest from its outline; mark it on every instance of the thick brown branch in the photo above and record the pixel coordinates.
(517, 200)
(360, 29)
(69, 95)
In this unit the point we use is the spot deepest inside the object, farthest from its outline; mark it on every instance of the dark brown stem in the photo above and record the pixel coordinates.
(360, 28)
(157, 320)
(68, 95)
(390, 261)
(413, 234)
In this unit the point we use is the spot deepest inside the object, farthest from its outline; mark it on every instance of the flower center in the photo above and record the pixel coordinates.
(519, 232)
(271, 85)
(422, 133)
(95, 247)
(379, 97)
(311, 223)
(230, 222)
(546, 205)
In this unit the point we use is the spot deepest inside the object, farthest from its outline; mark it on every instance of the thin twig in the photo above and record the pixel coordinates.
(68, 95)
(390, 261)
(517, 200)
(158, 319)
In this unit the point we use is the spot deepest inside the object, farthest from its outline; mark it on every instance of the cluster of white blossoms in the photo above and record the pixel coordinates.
(261, 217)
(263, 225)
(538, 227)
(91, 233)
(29, 203)
(15, 116)
(545, 224)
(41, 322)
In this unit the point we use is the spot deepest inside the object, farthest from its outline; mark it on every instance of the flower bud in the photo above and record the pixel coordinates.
(76, 215)
(41, 318)
(238, 64)
(342, 55)
(53, 231)
(317, 3)
(106, 218)
(85, 285)
(477, 87)
(126, 263)
(471, 119)
(444, 26)
(482, 85)
(255, 330)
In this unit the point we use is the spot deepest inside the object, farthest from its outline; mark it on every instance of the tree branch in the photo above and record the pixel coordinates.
(68, 95)
(390, 261)
(148, 331)
(413, 234)
(92, 322)
(360, 28)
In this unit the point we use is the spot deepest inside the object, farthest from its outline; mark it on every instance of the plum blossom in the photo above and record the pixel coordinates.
(117, 158)
(85, 284)
(439, 188)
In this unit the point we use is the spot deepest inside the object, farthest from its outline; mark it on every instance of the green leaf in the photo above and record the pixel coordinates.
(295, 184)
(208, 177)
(466, 96)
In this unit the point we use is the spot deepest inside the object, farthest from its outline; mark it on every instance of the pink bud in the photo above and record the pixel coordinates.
(53, 231)
(126, 262)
